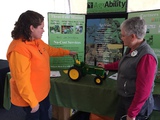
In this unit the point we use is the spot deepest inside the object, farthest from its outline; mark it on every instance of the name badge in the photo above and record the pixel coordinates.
(134, 53)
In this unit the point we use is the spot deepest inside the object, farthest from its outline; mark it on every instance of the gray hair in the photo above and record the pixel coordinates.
(134, 25)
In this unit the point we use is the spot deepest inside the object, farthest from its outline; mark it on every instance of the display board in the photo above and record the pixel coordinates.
(106, 6)
(103, 43)
(152, 37)
(66, 31)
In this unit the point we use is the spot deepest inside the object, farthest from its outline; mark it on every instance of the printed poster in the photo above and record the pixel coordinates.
(152, 37)
(66, 31)
(103, 43)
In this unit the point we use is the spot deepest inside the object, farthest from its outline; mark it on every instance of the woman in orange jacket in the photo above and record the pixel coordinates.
(28, 58)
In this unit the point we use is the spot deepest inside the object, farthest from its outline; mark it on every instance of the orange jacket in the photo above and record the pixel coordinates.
(30, 70)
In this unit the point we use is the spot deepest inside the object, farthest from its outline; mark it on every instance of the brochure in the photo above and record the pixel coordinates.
(55, 74)
(114, 76)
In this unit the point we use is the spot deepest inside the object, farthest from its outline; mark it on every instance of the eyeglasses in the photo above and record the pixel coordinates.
(121, 35)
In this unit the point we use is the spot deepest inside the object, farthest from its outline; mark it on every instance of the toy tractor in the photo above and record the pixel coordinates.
(80, 69)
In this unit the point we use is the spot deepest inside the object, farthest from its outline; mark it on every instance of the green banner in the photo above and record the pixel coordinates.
(152, 37)
(106, 6)
(66, 31)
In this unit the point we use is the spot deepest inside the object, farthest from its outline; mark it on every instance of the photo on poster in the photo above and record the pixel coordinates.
(55, 27)
(67, 29)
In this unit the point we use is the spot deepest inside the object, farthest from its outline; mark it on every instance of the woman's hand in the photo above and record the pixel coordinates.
(72, 53)
(35, 109)
(100, 64)
(128, 118)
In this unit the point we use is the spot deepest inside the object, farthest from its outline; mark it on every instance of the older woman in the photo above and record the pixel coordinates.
(136, 72)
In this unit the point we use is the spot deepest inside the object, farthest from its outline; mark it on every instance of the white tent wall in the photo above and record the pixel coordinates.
(78, 6)
(143, 5)
(11, 9)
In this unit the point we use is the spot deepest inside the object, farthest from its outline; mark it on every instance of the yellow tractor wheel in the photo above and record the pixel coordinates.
(98, 80)
(74, 73)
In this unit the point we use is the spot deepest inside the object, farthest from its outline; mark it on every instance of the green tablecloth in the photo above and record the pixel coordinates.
(4, 68)
(83, 95)
(6, 98)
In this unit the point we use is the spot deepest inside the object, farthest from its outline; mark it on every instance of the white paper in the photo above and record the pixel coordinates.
(55, 74)
(96, 75)
(114, 76)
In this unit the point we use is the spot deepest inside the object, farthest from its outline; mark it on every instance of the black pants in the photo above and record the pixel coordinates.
(124, 104)
(41, 114)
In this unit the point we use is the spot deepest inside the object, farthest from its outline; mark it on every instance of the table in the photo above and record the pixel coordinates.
(4, 68)
(82, 95)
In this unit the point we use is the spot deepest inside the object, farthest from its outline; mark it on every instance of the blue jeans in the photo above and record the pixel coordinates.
(41, 114)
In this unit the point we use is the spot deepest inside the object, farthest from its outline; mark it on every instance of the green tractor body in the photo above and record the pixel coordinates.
(80, 69)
